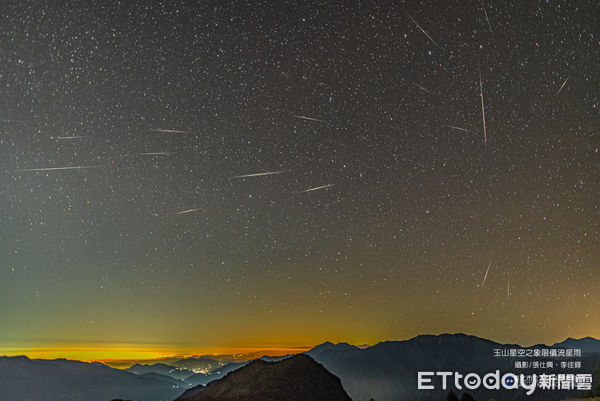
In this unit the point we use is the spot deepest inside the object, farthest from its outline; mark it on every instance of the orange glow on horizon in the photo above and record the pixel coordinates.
(115, 354)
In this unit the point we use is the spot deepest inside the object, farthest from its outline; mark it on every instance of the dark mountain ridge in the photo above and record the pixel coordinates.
(298, 378)
(161, 368)
(388, 370)
(24, 379)
(586, 344)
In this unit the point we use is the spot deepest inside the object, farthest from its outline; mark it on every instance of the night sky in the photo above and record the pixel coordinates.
(388, 201)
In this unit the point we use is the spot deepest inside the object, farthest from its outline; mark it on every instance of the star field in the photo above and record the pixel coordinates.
(383, 205)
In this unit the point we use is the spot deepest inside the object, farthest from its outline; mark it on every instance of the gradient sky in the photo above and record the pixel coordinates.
(99, 262)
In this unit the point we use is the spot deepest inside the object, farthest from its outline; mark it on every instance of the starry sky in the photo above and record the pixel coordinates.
(387, 210)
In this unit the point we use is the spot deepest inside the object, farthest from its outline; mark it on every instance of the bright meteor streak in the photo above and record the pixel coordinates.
(562, 86)
(56, 168)
(316, 188)
(486, 274)
(171, 131)
(482, 107)
(188, 211)
(423, 30)
(308, 118)
(260, 174)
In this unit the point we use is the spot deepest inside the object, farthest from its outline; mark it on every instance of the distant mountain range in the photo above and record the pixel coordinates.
(24, 379)
(586, 344)
(385, 372)
(298, 378)
(388, 371)
(328, 346)
(193, 363)
(161, 368)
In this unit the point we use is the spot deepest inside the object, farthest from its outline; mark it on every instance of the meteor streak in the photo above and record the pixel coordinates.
(562, 86)
(423, 30)
(486, 274)
(458, 128)
(188, 211)
(423, 88)
(482, 107)
(56, 168)
(316, 188)
(170, 131)
(155, 153)
(486, 17)
(260, 174)
(71, 137)
(308, 118)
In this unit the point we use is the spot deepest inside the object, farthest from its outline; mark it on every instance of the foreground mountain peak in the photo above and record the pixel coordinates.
(298, 378)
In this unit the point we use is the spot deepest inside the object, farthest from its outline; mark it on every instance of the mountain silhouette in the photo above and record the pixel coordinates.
(298, 378)
(388, 371)
(217, 373)
(329, 346)
(161, 368)
(586, 344)
(24, 379)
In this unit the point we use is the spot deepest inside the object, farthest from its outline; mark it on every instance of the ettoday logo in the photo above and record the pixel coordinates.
(472, 381)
